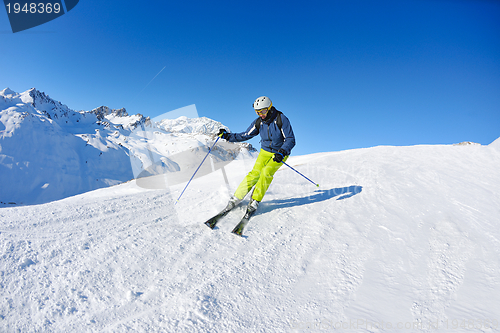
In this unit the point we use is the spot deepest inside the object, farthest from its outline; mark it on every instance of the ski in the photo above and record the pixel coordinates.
(211, 223)
(238, 230)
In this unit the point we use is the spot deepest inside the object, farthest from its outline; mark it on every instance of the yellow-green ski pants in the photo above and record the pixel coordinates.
(261, 176)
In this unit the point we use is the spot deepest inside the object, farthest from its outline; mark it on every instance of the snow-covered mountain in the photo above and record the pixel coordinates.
(49, 151)
(396, 239)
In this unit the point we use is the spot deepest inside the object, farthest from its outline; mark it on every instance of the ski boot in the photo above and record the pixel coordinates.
(233, 202)
(252, 207)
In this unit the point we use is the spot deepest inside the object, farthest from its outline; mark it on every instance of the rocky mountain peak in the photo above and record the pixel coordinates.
(103, 111)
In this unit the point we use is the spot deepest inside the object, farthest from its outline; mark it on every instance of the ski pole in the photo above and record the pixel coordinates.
(317, 185)
(197, 170)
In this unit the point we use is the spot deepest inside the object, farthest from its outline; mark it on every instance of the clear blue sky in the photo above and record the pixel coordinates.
(348, 74)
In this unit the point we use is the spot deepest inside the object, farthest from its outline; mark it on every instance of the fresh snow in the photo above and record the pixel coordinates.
(396, 239)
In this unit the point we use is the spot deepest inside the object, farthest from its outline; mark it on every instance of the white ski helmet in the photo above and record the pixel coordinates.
(262, 102)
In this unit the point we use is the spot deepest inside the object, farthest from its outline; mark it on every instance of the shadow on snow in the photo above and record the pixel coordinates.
(318, 196)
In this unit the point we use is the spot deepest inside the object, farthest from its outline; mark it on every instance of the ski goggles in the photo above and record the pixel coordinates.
(263, 111)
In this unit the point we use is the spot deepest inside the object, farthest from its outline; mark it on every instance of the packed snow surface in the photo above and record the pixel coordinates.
(396, 239)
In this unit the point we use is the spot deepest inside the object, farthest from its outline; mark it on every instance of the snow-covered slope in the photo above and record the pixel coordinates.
(495, 144)
(49, 152)
(397, 239)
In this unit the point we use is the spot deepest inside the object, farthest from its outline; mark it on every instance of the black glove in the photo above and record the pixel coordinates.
(223, 134)
(279, 156)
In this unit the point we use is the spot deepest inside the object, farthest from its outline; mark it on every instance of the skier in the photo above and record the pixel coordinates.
(277, 141)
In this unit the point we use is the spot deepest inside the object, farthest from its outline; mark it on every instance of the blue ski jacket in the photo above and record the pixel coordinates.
(272, 137)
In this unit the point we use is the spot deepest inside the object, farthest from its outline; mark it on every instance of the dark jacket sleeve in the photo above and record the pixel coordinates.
(247, 135)
(287, 132)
